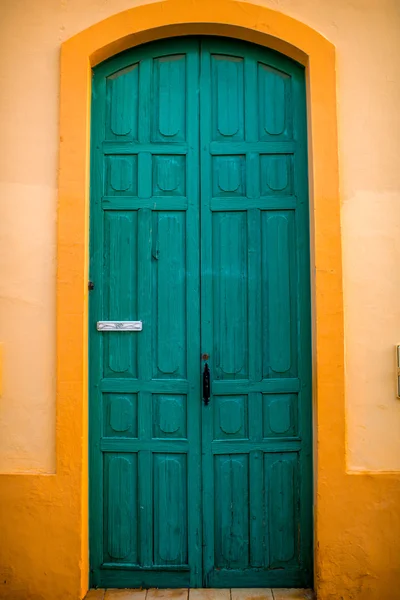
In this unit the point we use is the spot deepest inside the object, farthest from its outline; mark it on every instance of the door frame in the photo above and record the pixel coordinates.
(265, 27)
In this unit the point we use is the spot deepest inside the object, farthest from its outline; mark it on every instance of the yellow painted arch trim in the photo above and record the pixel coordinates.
(253, 23)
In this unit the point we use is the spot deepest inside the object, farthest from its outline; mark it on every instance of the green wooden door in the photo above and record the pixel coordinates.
(199, 229)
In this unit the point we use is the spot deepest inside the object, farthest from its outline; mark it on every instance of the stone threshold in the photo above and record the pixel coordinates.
(201, 594)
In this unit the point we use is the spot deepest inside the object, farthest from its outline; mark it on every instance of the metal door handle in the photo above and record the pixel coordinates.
(206, 384)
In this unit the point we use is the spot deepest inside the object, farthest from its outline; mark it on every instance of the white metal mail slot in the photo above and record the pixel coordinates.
(119, 325)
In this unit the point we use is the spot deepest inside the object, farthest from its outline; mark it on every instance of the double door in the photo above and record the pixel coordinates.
(199, 230)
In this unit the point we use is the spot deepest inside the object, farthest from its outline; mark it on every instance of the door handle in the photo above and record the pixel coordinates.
(206, 384)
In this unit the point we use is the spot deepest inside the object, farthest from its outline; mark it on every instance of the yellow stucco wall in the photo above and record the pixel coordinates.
(365, 34)
(43, 516)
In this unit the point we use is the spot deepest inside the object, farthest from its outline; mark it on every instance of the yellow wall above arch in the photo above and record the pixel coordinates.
(44, 518)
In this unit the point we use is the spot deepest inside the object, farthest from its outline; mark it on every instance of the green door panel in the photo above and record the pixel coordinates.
(199, 228)
(255, 318)
(145, 480)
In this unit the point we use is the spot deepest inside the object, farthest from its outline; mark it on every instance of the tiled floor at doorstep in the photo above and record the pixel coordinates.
(202, 594)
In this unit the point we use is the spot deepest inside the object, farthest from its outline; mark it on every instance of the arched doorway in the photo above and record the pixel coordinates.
(200, 231)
